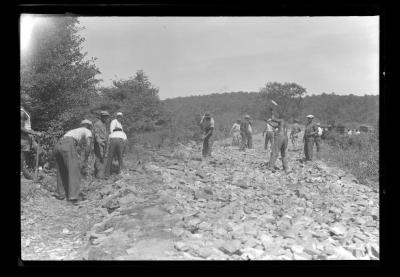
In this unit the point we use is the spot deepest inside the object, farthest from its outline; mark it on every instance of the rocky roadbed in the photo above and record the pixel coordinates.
(176, 206)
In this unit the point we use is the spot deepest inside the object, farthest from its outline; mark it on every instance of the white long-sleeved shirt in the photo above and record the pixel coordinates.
(235, 128)
(79, 133)
(115, 124)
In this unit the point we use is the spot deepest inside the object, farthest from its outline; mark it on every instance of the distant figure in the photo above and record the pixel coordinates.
(100, 144)
(67, 161)
(358, 132)
(280, 142)
(350, 132)
(294, 132)
(245, 132)
(116, 123)
(310, 132)
(207, 125)
(235, 133)
(118, 143)
(269, 135)
(318, 137)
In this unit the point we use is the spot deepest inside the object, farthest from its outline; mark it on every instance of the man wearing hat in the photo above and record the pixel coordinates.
(100, 144)
(310, 132)
(294, 132)
(245, 132)
(207, 125)
(280, 141)
(116, 123)
(67, 161)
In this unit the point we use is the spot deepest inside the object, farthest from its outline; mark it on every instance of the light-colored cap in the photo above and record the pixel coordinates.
(104, 113)
(310, 116)
(119, 113)
(86, 121)
(247, 116)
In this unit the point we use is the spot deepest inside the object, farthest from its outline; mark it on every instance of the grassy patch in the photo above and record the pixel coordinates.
(358, 155)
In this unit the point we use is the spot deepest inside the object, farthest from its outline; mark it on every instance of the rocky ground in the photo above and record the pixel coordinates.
(175, 206)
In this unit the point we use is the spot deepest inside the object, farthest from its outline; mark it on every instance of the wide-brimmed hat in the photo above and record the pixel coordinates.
(310, 116)
(86, 121)
(119, 113)
(104, 113)
(247, 116)
(207, 114)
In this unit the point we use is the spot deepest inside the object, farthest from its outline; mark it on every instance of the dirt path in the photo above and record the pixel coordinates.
(176, 206)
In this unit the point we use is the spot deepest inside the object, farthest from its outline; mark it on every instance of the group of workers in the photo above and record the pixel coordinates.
(108, 144)
(275, 134)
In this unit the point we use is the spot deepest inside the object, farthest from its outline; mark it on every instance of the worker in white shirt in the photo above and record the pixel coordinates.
(67, 161)
(235, 133)
(317, 139)
(116, 123)
(117, 146)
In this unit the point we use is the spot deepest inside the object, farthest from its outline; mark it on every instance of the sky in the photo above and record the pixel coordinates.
(202, 55)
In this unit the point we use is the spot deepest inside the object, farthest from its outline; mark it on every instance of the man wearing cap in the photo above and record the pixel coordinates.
(27, 142)
(116, 149)
(245, 132)
(294, 132)
(235, 133)
(116, 123)
(280, 141)
(100, 144)
(207, 125)
(67, 161)
(310, 132)
(269, 135)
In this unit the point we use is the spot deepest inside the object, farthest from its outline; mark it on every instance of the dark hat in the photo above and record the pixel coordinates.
(207, 114)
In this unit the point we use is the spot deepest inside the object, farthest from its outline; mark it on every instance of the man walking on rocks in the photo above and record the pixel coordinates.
(117, 142)
(280, 142)
(207, 125)
(235, 133)
(310, 132)
(67, 161)
(100, 144)
(269, 135)
(245, 132)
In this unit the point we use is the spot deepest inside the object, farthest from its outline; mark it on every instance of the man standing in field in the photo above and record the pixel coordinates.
(280, 142)
(310, 132)
(235, 133)
(118, 143)
(207, 125)
(294, 132)
(67, 161)
(100, 144)
(245, 132)
(269, 135)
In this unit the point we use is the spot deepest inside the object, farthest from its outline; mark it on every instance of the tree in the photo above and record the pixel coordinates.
(289, 97)
(56, 79)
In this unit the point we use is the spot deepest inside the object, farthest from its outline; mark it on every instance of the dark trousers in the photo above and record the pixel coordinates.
(115, 150)
(99, 160)
(247, 141)
(207, 146)
(269, 138)
(25, 170)
(308, 148)
(68, 171)
(280, 145)
(318, 143)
